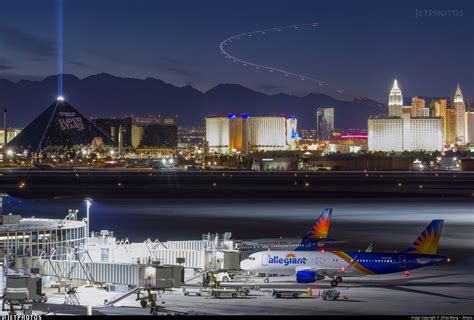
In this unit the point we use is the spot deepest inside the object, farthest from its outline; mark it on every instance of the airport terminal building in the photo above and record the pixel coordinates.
(33, 237)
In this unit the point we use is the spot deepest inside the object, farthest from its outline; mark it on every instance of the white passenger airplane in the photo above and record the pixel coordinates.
(309, 266)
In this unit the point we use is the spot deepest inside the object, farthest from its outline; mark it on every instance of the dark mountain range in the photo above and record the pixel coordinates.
(105, 95)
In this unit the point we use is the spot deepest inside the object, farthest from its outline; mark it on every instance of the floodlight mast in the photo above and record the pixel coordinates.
(88, 206)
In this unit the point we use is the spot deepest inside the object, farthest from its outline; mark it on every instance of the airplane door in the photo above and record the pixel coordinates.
(265, 258)
(403, 261)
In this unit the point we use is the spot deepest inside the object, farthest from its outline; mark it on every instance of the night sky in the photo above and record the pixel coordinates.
(360, 45)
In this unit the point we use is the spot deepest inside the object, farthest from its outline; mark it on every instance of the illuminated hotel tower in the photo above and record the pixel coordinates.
(395, 101)
(460, 108)
(417, 107)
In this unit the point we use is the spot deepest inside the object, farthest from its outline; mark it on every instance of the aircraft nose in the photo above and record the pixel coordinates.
(246, 265)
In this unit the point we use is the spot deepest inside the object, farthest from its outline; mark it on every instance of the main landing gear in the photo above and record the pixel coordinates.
(336, 281)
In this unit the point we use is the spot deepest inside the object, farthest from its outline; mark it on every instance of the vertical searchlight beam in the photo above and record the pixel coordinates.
(59, 44)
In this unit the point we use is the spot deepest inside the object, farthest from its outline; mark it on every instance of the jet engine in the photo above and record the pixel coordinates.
(306, 276)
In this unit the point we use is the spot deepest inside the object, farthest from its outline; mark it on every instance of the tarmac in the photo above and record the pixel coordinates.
(441, 290)
(446, 289)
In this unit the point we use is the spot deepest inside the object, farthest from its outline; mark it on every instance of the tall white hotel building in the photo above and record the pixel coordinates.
(399, 131)
(246, 134)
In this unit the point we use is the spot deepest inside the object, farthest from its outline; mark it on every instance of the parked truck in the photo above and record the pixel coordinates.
(236, 292)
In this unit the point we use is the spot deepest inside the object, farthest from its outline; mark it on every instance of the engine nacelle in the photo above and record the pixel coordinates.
(305, 276)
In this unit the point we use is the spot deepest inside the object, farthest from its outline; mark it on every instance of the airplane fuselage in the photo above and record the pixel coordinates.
(366, 263)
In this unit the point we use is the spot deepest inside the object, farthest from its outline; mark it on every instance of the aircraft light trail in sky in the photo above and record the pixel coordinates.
(319, 83)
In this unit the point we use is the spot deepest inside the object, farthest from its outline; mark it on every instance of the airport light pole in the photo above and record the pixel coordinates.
(88, 206)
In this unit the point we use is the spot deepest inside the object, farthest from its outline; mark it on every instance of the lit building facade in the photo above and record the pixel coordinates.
(469, 126)
(292, 132)
(407, 109)
(217, 134)
(439, 108)
(324, 123)
(450, 137)
(395, 101)
(385, 134)
(112, 126)
(405, 133)
(238, 133)
(11, 133)
(141, 131)
(247, 134)
(417, 104)
(400, 131)
(426, 134)
(138, 128)
(267, 134)
(460, 108)
(424, 112)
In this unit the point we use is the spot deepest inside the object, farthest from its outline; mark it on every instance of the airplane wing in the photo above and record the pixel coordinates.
(322, 243)
(349, 267)
(370, 247)
(328, 272)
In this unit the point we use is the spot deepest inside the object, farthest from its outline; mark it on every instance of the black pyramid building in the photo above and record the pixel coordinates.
(59, 125)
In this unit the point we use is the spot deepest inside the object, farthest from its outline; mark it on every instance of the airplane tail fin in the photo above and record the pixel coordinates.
(320, 229)
(427, 241)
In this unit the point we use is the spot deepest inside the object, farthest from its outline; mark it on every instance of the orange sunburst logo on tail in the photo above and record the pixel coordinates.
(320, 229)
(427, 241)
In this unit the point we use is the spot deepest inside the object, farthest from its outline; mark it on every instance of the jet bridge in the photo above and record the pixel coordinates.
(155, 276)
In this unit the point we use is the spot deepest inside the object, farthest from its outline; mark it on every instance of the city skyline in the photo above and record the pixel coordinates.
(150, 103)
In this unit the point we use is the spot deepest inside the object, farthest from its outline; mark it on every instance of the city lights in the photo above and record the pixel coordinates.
(416, 127)
(224, 167)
